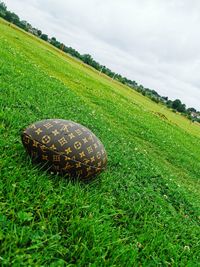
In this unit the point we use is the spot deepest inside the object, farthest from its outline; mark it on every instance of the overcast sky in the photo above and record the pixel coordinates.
(154, 42)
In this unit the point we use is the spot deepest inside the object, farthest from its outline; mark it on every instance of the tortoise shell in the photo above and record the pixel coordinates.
(65, 147)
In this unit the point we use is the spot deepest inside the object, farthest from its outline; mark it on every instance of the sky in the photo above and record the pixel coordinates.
(154, 42)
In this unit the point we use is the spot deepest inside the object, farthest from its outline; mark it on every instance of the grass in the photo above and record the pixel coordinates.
(143, 211)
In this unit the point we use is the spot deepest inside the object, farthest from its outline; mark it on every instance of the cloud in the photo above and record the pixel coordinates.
(155, 43)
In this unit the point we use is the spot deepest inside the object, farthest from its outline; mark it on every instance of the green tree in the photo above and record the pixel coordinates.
(44, 37)
(177, 105)
(189, 110)
(3, 9)
(169, 103)
(12, 17)
(87, 59)
(39, 32)
(54, 42)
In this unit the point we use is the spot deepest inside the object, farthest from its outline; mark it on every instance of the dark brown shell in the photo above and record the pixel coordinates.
(65, 147)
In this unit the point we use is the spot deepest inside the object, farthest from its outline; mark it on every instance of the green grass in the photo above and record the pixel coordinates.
(143, 211)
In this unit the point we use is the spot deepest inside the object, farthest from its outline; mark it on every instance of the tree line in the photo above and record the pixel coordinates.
(176, 105)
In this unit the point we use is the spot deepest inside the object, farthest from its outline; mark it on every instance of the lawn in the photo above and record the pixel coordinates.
(144, 210)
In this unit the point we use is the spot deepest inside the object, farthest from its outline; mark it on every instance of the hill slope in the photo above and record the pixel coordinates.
(143, 210)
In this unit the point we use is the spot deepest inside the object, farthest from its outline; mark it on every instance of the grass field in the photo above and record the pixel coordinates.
(144, 210)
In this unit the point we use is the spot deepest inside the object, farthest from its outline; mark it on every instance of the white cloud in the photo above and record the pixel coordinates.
(155, 43)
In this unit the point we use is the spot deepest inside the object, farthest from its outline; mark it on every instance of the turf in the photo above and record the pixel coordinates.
(144, 210)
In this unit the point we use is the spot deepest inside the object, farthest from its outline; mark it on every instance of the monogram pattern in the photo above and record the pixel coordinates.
(65, 147)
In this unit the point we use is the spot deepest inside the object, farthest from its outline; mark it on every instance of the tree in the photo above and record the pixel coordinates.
(39, 32)
(44, 37)
(87, 59)
(177, 105)
(190, 110)
(54, 42)
(12, 17)
(154, 98)
(3, 9)
(182, 108)
(169, 103)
